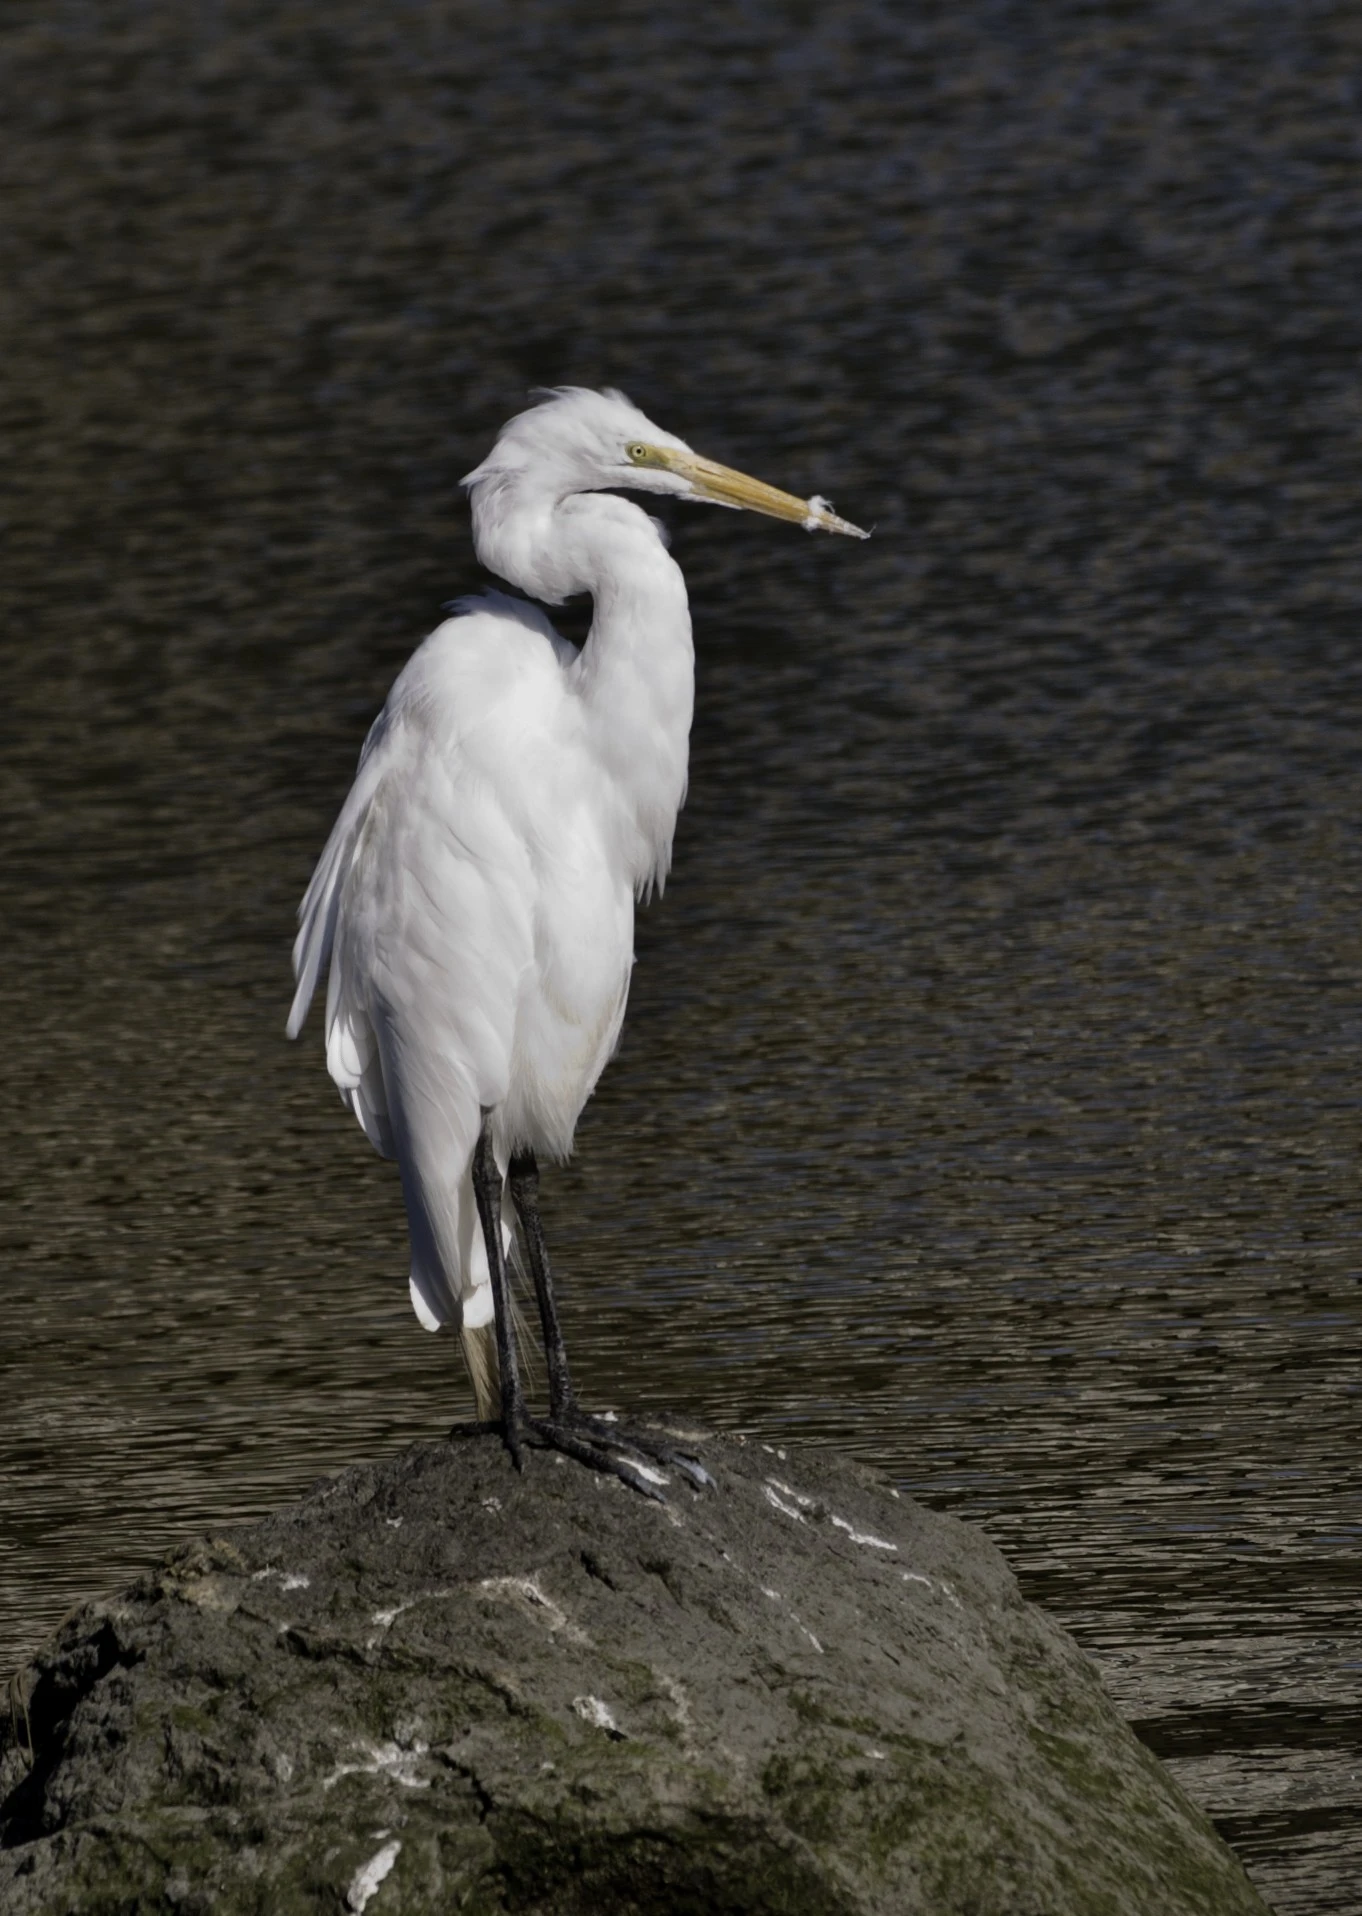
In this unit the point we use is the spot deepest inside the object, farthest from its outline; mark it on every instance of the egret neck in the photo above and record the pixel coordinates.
(635, 676)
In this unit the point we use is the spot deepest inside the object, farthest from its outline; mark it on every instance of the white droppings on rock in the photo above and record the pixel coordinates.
(863, 1536)
(364, 1885)
(491, 1503)
(527, 1591)
(393, 1523)
(912, 1576)
(384, 1759)
(778, 1503)
(599, 1715)
(788, 1490)
(288, 1579)
(776, 1597)
(385, 1619)
(681, 1713)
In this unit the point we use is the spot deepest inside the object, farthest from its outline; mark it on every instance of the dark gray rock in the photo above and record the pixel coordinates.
(437, 1686)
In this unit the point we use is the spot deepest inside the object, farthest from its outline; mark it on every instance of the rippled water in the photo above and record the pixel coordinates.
(989, 1098)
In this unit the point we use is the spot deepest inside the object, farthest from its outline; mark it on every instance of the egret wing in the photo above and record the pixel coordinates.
(422, 901)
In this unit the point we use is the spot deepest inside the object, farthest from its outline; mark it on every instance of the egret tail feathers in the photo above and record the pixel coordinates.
(479, 1342)
(480, 1355)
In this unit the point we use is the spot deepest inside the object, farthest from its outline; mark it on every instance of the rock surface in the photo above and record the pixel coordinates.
(436, 1686)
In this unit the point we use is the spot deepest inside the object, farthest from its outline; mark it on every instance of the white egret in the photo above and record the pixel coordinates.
(475, 900)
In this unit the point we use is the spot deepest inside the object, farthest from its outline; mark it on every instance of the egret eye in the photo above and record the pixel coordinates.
(638, 453)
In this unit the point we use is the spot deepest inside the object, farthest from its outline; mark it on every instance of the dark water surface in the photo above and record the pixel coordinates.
(989, 1102)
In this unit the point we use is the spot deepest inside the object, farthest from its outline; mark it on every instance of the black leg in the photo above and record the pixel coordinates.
(592, 1441)
(563, 1406)
(487, 1190)
(525, 1196)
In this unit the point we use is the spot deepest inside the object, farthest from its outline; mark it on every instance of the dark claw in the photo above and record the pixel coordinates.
(595, 1456)
(629, 1437)
(692, 1467)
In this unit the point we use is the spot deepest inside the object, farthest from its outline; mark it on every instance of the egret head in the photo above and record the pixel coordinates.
(577, 440)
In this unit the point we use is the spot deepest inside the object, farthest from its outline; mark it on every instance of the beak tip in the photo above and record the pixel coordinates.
(822, 518)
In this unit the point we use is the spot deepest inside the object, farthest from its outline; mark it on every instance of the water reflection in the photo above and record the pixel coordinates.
(988, 1100)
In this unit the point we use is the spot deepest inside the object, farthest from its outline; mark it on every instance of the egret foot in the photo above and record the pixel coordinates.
(573, 1441)
(599, 1445)
(604, 1430)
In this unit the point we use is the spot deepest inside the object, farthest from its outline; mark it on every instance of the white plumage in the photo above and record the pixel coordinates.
(475, 901)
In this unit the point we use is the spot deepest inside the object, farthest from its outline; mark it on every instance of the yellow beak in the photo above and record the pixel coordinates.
(725, 487)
